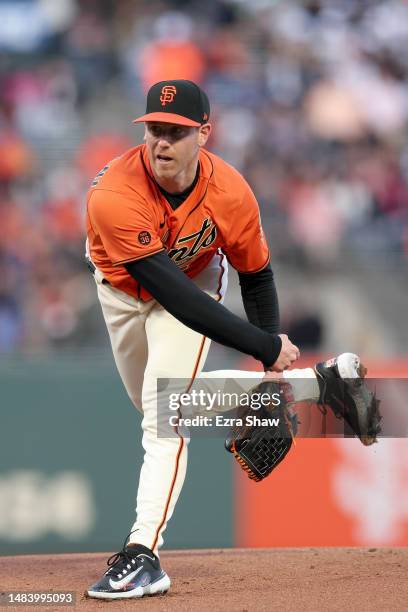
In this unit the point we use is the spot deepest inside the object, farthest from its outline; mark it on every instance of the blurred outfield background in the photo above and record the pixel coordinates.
(310, 103)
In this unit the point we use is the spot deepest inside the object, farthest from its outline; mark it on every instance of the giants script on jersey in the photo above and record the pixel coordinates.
(193, 243)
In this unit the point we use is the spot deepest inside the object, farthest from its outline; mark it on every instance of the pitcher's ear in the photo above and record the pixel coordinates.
(204, 133)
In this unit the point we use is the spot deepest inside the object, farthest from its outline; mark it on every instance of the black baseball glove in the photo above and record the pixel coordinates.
(262, 437)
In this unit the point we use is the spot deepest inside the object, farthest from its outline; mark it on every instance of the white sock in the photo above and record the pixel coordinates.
(304, 383)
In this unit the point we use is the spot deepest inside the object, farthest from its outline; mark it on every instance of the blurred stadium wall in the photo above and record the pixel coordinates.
(309, 101)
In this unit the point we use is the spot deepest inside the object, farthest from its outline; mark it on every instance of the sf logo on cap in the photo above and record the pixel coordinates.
(167, 94)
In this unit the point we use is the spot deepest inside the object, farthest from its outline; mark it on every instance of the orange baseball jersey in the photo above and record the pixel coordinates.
(128, 218)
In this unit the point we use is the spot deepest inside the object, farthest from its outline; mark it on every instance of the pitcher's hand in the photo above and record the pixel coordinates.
(288, 355)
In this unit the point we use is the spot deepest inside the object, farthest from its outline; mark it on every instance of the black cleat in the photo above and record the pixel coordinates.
(342, 388)
(133, 572)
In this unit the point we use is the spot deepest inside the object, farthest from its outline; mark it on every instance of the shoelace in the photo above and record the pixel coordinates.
(120, 561)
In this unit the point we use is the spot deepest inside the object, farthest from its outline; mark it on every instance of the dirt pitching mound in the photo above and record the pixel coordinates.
(232, 579)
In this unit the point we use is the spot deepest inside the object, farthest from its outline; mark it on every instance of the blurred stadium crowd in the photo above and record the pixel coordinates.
(309, 101)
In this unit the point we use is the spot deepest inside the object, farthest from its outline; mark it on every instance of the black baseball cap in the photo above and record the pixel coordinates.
(181, 102)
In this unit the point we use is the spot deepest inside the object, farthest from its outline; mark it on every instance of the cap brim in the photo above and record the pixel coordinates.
(167, 118)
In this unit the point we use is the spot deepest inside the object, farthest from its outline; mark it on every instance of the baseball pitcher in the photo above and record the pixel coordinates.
(164, 220)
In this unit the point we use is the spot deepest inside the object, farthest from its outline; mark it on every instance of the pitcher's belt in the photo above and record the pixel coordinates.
(92, 269)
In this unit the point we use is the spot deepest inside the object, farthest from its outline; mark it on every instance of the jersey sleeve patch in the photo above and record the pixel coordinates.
(125, 225)
(144, 238)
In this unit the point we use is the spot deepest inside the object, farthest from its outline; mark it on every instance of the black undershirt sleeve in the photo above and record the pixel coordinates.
(260, 299)
(197, 310)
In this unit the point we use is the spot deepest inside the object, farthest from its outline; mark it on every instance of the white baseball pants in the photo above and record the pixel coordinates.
(149, 343)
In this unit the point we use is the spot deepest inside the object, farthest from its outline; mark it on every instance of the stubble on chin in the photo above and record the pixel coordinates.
(166, 172)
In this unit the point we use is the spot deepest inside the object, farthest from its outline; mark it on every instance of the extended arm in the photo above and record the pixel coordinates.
(194, 308)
